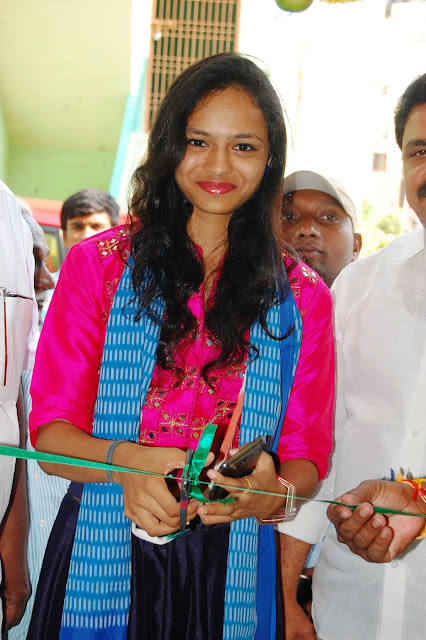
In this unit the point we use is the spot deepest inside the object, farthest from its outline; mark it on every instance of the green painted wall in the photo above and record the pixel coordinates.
(55, 174)
(4, 148)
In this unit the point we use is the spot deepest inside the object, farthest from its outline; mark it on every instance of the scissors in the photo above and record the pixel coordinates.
(185, 490)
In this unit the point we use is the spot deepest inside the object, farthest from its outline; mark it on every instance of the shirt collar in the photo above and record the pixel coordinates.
(417, 243)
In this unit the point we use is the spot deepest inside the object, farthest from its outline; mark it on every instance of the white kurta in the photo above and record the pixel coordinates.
(380, 326)
(18, 324)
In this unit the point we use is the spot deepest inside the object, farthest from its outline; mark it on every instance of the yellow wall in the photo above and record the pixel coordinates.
(40, 172)
(64, 80)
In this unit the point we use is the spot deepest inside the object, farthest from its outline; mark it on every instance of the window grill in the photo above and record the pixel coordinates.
(182, 32)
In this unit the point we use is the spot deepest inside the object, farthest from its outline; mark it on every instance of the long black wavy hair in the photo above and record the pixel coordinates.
(165, 261)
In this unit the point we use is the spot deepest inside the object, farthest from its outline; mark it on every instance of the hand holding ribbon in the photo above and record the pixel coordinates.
(363, 526)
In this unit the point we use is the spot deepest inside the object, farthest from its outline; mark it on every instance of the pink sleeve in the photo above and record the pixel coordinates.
(65, 379)
(306, 431)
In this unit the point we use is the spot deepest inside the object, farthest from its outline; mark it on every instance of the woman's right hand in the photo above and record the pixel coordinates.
(148, 501)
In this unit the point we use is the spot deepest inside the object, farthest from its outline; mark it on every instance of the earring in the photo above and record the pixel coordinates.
(265, 175)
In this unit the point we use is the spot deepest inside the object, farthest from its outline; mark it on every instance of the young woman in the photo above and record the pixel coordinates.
(153, 332)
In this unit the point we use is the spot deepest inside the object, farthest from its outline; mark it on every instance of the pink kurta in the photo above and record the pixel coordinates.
(69, 355)
(177, 408)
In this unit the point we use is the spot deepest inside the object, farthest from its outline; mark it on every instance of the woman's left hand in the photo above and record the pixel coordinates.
(246, 503)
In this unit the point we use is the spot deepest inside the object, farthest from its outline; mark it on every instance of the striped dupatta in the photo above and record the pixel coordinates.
(97, 596)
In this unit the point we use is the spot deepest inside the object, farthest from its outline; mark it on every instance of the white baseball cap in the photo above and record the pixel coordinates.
(300, 180)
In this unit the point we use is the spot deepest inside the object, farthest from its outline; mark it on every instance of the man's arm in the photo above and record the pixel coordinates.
(293, 554)
(16, 587)
(373, 536)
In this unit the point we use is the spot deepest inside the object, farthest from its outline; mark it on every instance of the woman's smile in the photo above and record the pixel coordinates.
(218, 188)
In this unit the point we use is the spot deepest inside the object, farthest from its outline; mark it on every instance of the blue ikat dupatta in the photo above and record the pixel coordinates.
(98, 589)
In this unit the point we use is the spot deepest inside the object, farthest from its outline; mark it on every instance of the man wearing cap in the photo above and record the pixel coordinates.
(319, 221)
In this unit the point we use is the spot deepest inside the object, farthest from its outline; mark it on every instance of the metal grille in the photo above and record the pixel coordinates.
(182, 32)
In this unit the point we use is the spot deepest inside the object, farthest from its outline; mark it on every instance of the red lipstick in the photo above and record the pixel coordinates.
(217, 188)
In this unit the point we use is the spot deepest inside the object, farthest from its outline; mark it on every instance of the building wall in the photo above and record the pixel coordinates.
(340, 68)
(54, 174)
(64, 80)
(4, 148)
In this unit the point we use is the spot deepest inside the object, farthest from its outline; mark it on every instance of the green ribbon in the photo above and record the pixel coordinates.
(197, 465)
(385, 510)
(198, 461)
(194, 470)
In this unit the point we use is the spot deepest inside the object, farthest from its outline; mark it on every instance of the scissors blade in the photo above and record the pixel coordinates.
(186, 488)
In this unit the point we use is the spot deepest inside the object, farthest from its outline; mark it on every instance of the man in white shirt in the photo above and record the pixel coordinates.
(18, 322)
(380, 325)
(45, 493)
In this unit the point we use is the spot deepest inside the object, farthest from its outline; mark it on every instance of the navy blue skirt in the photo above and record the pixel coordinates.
(177, 589)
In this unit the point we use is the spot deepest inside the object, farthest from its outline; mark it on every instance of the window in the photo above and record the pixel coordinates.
(182, 32)
(379, 161)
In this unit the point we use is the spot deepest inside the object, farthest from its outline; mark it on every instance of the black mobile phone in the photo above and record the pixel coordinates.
(241, 464)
